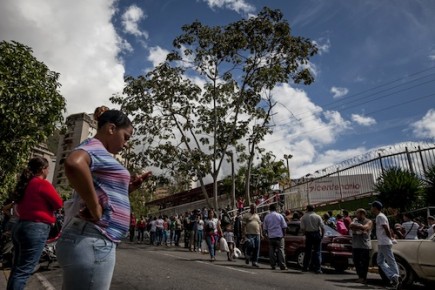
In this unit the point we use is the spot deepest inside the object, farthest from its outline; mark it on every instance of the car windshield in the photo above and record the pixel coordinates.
(330, 232)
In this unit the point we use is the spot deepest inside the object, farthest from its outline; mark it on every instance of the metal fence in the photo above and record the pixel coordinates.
(356, 177)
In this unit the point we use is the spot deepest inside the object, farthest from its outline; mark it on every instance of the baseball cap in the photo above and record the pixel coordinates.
(431, 218)
(377, 204)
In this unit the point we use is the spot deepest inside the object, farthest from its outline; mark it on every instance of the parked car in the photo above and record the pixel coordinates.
(336, 248)
(415, 259)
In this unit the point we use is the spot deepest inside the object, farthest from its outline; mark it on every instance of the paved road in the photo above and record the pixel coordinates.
(145, 267)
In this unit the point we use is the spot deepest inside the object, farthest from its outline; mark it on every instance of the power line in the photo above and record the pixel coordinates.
(365, 101)
(370, 113)
(379, 86)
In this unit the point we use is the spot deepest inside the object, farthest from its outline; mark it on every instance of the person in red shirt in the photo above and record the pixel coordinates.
(341, 227)
(36, 200)
(240, 204)
(346, 219)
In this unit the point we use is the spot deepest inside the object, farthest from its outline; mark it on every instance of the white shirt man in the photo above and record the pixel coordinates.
(410, 227)
(385, 258)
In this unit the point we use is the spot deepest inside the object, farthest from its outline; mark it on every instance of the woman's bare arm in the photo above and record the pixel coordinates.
(80, 178)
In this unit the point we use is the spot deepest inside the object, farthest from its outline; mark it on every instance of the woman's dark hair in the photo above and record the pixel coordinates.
(104, 115)
(34, 167)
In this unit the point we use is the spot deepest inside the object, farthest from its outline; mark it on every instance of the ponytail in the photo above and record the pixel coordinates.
(34, 167)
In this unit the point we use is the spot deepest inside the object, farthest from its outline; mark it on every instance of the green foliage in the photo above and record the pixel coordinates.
(268, 173)
(140, 197)
(265, 174)
(430, 186)
(212, 93)
(399, 189)
(30, 108)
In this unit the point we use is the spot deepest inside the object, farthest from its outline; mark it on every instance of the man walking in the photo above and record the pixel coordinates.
(312, 225)
(274, 226)
(361, 228)
(385, 258)
(252, 232)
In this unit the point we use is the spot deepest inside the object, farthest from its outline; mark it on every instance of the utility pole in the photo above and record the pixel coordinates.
(287, 157)
(233, 179)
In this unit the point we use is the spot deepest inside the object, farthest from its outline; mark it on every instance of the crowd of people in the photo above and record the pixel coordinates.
(244, 228)
(98, 217)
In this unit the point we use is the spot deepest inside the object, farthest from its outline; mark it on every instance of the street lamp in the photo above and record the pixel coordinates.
(287, 157)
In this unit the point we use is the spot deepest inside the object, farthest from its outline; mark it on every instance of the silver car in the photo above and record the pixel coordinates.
(415, 259)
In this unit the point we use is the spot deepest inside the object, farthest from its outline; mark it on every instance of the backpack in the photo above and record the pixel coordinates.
(226, 220)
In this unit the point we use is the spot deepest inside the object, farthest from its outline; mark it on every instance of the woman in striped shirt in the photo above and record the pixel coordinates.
(98, 215)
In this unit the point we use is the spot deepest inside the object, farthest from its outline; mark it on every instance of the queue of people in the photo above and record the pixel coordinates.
(98, 217)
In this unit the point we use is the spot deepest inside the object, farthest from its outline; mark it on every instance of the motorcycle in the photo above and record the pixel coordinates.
(48, 255)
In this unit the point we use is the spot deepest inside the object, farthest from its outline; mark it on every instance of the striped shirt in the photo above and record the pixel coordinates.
(111, 181)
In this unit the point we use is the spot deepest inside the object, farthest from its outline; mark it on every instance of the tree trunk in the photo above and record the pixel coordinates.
(248, 174)
(204, 192)
(215, 192)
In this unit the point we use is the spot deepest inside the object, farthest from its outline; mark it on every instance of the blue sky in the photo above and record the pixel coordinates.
(375, 71)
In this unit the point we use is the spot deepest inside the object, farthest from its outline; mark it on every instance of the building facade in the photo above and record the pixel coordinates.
(78, 128)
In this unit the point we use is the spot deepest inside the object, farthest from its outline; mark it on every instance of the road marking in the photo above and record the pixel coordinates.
(178, 257)
(209, 263)
(47, 285)
(240, 270)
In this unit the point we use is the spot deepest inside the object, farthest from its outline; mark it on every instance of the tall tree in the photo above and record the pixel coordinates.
(212, 90)
(30, 107)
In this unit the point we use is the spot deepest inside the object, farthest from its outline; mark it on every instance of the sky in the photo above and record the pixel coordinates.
(374, 73)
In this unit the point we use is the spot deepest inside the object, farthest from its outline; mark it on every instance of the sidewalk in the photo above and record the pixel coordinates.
(32, 284)
(3, 280)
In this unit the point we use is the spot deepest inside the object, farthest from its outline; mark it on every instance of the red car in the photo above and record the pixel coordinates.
(336, 248)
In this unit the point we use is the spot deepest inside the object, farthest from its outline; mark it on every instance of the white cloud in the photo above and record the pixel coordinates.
(240, 6)
(157, 55)
(73, 38)
(432, 55)
(339, 92)
(130, 19)
(363, 120)
(303, 131)
(425, 128)
(327, 159)
(323, 45)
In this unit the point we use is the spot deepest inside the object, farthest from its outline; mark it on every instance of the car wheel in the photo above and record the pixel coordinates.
(300, 259)
(405, 272)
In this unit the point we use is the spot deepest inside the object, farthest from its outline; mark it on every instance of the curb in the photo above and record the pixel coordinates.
(45, 283)
(40, 279)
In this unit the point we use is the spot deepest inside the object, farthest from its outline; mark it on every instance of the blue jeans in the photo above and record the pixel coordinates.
(211, 243)
(254, 250)
(198, 238)
(153, 238)
(29, 239)
(387, 262)
(313, 251)
(86, 256)
(159, 236)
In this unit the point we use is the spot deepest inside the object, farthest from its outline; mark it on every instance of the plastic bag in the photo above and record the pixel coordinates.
(237, 253)
(224, 245)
